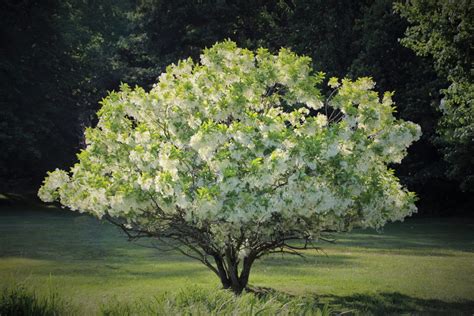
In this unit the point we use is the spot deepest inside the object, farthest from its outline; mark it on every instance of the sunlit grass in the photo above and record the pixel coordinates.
(422, 264)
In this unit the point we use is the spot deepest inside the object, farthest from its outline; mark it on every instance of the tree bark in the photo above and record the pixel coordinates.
(226, 283)
(229, 271)
(233, 270)
(244, 275)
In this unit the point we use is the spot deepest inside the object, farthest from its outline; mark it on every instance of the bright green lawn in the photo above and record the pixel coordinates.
(419, 265)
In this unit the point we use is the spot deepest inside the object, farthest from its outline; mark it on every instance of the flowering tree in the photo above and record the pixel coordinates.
(239, 156)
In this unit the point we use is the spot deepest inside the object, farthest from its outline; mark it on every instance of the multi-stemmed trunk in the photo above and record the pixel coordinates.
(230, 275)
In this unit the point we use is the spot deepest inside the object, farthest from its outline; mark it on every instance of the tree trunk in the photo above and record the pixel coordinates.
(235, 286)
(245, 274)
(229, 275)
(222, 272)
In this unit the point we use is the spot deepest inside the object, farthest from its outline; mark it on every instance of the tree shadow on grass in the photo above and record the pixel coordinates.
(408, 244)
(416, 236)
(384, 303)
(319, 260)
(396, 303)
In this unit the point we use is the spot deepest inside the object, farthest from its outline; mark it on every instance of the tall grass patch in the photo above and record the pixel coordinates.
(199, 301)
(20, 301)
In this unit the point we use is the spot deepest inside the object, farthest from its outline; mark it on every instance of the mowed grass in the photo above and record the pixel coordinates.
(421, 265)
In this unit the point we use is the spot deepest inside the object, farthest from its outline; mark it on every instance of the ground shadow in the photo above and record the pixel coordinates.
(384, 303)
(318, 259)
(396, 304)
(421, 236)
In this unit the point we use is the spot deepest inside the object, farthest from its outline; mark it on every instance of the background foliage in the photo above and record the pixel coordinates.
(445, 32)
(61, 58)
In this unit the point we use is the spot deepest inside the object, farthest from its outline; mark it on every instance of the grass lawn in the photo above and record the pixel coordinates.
(421, 265)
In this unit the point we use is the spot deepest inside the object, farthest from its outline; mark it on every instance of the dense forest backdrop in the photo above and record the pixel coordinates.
(59, 58)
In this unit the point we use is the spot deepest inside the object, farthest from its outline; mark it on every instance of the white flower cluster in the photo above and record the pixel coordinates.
(55, 180)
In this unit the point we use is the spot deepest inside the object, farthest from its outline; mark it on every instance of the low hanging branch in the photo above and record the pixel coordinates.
(238, 157)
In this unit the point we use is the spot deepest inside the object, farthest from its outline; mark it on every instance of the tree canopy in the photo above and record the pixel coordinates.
(237, 155)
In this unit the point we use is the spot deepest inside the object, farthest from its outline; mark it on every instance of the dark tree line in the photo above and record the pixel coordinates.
(60, 57)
